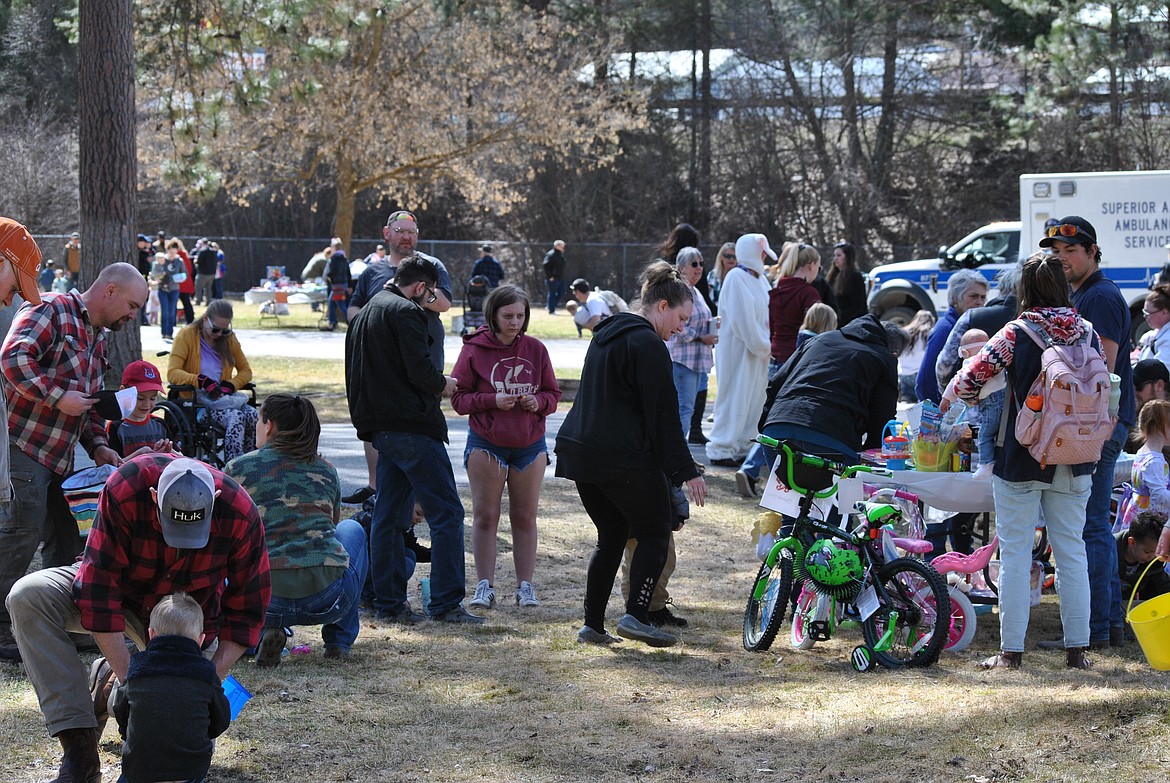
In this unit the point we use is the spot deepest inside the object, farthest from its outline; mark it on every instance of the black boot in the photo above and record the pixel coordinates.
(697, 436)
(80, 764)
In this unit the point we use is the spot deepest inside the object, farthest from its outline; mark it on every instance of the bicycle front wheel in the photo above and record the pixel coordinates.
(919, 598)
(767, 602)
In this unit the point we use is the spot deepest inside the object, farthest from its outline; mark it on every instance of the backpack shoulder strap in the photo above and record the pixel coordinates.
(1038, 335)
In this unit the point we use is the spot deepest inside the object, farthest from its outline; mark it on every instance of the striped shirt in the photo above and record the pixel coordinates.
(53, 348)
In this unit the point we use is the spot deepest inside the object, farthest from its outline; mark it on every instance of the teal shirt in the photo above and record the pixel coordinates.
(298, 503)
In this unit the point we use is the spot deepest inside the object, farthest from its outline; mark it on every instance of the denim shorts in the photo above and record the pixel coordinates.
(519, 458)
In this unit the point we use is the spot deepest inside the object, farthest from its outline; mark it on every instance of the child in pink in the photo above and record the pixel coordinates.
(507, 386)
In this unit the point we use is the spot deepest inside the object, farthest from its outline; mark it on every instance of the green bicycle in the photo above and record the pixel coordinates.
(903, 604)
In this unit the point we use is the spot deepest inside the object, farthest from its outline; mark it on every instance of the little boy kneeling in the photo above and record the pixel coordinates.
(172, 704)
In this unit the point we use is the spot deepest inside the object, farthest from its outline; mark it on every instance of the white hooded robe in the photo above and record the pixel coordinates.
(741, 356)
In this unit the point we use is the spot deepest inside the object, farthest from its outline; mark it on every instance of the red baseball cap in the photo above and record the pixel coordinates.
(19, 249)
(143, 376)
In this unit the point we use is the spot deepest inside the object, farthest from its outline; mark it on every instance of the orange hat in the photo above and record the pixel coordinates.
(18, 248)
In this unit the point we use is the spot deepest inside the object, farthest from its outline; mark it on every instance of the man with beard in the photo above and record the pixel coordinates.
(401, 234)
(394, 391)
(51, 366)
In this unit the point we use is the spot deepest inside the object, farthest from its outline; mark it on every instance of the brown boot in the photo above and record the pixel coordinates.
(101, 683)
(1075, 658)
(80, 764)
(1005, 660)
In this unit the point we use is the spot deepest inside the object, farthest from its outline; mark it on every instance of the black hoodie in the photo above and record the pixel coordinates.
(625, 418)
(843, 384)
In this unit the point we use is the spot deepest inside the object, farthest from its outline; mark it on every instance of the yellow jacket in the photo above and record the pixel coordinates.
(185, 362)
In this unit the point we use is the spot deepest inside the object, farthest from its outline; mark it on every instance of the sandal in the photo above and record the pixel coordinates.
(1004, 660)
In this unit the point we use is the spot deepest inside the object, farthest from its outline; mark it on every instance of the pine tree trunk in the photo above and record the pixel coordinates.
(108, 153)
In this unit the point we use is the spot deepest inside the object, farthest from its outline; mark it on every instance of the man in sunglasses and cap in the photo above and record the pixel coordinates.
(164, 524)
(1098, 299)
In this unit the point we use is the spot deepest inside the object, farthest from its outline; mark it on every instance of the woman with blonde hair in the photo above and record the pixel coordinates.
(911, 359)
(724, 263)
(208, 356)
(790, 298)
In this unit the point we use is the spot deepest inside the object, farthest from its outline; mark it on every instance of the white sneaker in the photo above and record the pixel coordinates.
(485, 595)
(526, 595)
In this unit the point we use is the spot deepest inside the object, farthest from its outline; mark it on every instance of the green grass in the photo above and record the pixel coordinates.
(541, 325)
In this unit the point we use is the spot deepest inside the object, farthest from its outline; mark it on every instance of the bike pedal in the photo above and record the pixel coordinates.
(818, 630)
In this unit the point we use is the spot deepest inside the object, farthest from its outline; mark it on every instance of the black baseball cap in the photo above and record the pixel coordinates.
(1148, 371)
(1072, 230)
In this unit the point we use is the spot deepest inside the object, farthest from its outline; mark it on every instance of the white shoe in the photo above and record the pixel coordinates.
(485, 595)
(526, 595)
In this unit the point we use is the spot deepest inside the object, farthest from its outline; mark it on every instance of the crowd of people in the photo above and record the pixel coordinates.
(264, 543)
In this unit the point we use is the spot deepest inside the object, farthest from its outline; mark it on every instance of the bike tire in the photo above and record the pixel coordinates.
(963, 622)
(763, 616)
(923, 603)
(806, 608)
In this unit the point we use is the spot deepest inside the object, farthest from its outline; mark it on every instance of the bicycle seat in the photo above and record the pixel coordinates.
(915, 546)
(966, 564)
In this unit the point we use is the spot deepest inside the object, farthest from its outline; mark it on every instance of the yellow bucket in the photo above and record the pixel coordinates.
(933, 456)
(1151, 624)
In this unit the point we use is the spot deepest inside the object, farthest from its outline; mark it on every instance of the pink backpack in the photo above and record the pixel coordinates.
(1072, 389)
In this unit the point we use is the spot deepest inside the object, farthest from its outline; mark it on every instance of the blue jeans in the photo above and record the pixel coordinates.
(990, 412)
(1100, 546)
(556, 293)
(168, 301)
(758, 458)
(336, 311)
(336, 607)
(1017, 507)
(416, 466)
(687, 384)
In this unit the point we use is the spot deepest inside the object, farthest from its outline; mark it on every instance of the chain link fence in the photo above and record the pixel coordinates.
(611, 265)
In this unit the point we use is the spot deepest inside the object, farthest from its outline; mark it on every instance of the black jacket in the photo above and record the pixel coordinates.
(553, 264)
(169, 710)
(842, 383)
(206, 261)
(390, 381)
(625, 418)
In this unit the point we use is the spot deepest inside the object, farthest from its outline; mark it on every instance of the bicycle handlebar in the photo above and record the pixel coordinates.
(792, 457)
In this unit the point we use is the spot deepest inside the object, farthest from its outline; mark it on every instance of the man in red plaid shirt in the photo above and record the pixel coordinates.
(164, 524)
(52, 362)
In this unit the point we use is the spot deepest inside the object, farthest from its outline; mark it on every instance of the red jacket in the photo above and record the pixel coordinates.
(188, 285)
(787, 304)
(485, 367)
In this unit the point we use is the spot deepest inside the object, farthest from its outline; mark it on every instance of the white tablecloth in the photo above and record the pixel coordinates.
(959, 491)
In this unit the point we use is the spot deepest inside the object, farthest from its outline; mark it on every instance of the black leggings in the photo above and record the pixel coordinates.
(636, 506)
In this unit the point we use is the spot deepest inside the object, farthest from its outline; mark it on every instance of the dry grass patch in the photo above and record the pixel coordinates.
(519, 700)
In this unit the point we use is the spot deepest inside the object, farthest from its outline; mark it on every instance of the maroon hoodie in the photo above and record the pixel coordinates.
(486, 367)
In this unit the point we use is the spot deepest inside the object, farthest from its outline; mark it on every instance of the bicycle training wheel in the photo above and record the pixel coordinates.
(802, 616)
(923, 605)
(962, 622)
(767, 603)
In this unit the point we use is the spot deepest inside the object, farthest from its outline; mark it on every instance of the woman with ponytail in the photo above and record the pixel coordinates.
(317, 561)
(623, 446)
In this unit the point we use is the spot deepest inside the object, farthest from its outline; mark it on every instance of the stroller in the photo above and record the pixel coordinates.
(474, 293)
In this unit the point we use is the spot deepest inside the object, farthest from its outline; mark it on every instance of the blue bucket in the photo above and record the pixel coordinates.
(237, 695)
(896, 464)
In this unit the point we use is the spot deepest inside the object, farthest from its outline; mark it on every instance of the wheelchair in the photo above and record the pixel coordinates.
(190, 426)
